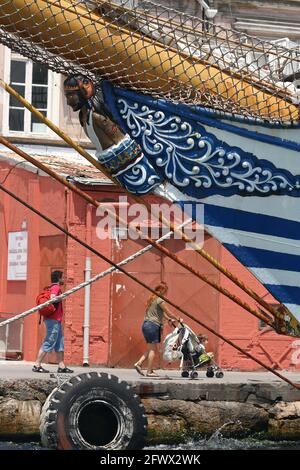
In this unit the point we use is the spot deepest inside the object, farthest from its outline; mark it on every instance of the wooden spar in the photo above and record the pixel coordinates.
(162, 219)
(77, 32)
(246, 78)
(112, 214)
(141, 283)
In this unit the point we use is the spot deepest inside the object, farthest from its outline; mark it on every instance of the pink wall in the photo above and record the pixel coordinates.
(100, 291)
(16, 296)
(106, 308)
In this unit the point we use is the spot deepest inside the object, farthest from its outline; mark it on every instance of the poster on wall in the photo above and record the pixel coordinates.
(17, 256)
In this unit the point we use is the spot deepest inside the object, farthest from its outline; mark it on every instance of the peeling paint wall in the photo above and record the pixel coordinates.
(118, 304)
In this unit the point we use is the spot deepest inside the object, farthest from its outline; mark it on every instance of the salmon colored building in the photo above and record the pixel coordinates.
(117, 303)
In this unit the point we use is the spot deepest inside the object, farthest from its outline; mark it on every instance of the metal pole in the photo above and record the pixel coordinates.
(87, 291)
(87, 309)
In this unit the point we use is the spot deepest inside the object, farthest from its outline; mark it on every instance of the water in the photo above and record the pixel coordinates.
(215, 442)
(20, 446)
(222, 443)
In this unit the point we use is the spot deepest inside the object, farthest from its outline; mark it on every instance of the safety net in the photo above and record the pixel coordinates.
(146, 47)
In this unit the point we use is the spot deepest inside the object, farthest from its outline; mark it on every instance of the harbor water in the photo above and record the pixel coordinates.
(215, 442)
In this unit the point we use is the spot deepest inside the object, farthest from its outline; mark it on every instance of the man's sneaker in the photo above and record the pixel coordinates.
(40, 369)
(64, 370)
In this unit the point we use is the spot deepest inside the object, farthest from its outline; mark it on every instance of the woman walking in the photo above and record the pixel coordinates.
(156, 312)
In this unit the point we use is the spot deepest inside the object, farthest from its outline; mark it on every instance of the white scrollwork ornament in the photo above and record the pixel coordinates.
(138, 178)
(191, 158)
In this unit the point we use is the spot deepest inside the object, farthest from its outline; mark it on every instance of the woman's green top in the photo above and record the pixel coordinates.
(155, 312)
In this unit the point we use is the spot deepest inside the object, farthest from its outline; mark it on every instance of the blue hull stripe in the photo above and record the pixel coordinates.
(286, 294)
(250, 222)
(252, 257)
(256, 258)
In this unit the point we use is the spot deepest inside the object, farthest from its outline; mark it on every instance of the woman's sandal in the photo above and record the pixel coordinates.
(138, 369)
(152, 374)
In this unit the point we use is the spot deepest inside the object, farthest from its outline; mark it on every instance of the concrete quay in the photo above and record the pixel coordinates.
(241, 403)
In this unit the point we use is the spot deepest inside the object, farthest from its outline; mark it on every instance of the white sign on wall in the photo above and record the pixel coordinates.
(17, 256)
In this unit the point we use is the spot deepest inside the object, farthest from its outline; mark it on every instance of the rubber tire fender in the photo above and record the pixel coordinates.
(93, 411)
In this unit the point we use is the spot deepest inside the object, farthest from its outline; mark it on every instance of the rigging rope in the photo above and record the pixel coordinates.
(141, 283)
(165, 251)
(80, 286)
(197, 248)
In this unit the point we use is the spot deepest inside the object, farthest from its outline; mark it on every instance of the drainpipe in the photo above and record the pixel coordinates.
(87, 290)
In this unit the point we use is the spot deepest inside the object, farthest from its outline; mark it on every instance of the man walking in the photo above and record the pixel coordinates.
(54, 340)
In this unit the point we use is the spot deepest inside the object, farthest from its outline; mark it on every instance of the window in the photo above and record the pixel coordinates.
(31, 81)
(16, 111)
(39, 93)
(36, 84)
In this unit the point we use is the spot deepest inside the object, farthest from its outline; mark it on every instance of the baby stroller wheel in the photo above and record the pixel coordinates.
(184, 373)
(210, 372)
(194, 374)
(219, 374)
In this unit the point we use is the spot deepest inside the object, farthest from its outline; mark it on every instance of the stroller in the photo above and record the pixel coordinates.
(184, 344)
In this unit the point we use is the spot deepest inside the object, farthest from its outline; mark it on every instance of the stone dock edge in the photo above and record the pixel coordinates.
(174, 411)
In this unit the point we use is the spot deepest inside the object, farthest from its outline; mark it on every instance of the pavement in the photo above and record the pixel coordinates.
(23, 370)
(254, 387)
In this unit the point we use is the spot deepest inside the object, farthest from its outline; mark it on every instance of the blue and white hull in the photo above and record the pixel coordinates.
(268, 245)
(246, 174)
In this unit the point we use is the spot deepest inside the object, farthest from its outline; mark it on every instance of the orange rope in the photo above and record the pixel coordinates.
(138, 199)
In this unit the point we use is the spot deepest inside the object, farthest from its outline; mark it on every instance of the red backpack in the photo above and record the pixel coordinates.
(43, 297)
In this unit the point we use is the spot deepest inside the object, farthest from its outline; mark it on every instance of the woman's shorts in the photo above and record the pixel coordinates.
(54, 340)
(151, 332)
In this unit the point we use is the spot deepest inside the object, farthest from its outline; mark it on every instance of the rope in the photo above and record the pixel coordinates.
(138, 199)
(165, 251)
(141, 283)
(80, 286)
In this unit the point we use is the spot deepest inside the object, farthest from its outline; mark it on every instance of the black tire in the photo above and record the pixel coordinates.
(219, 374)
(185, 373)
(210, 372)
(93, 411)
(43, 418)
(194, 374)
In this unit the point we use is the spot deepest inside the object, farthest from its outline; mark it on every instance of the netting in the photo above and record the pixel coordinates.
(158, 51)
